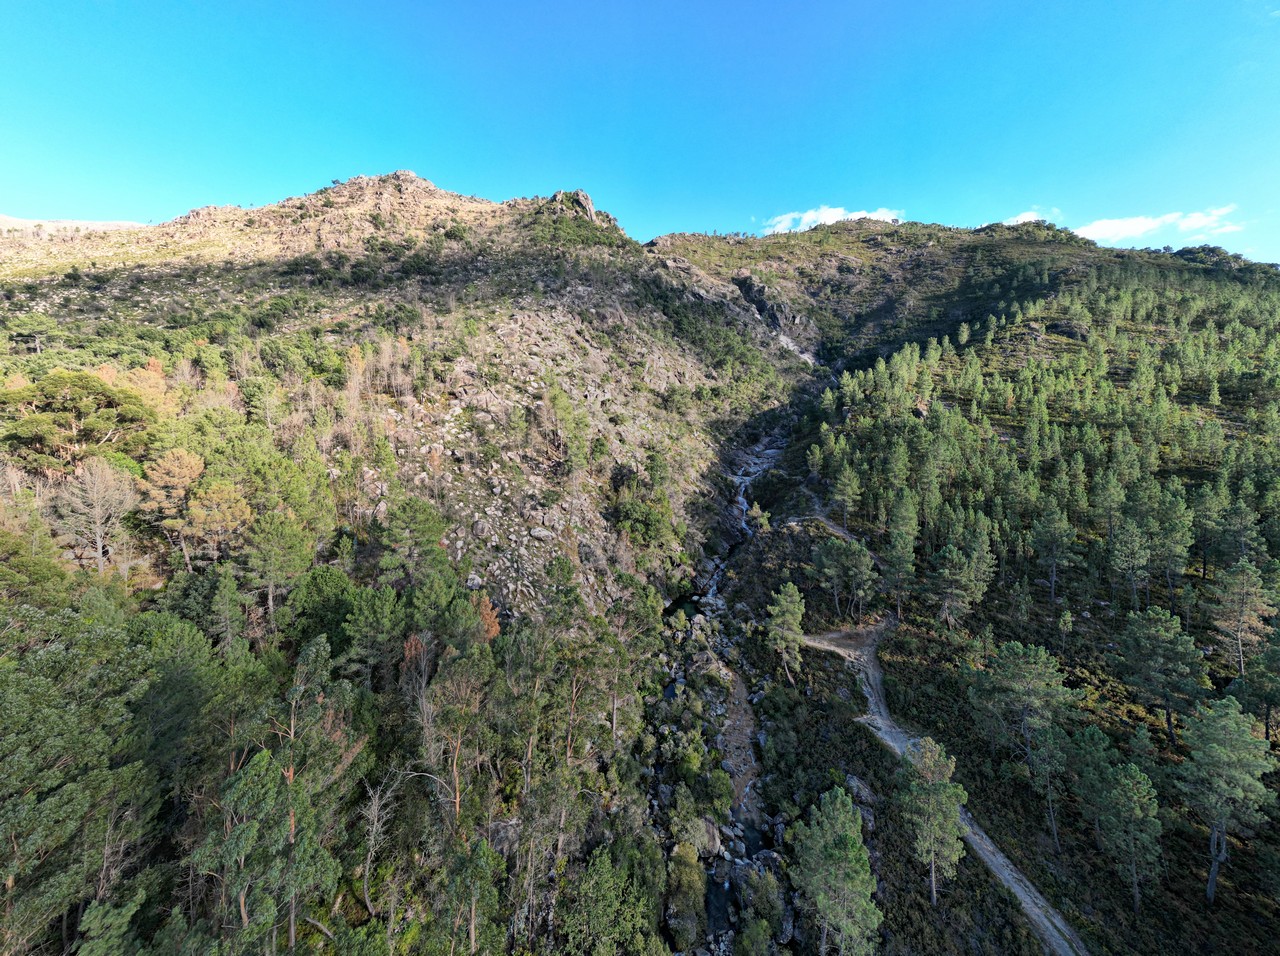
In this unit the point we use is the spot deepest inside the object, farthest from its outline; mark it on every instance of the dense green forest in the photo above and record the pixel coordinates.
(374, 581)
(1071, 507)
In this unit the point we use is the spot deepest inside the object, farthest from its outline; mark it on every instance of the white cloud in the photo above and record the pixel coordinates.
(1209, 221)
(1034, 214)
(824, 216)
(1132, 227)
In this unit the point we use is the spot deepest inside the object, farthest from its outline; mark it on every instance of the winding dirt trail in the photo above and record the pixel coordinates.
(859, 647)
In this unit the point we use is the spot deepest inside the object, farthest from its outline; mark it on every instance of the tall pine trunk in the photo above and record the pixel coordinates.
(1053, 817)
(1217, 854)
(1133, 874)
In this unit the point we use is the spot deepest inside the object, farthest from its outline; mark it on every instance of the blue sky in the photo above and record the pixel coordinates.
(1140, 122)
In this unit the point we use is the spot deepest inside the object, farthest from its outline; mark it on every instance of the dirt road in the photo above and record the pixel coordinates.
(859, 647)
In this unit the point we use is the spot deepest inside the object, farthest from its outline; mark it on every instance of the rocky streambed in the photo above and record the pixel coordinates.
(746, 843)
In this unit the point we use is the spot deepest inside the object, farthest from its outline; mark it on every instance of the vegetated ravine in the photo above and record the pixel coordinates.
(739, 726)
(336, 538)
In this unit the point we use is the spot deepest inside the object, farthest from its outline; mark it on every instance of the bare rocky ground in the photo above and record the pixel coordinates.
(740, 756)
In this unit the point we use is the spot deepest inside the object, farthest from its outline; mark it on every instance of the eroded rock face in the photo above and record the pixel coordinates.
(776, 312)
(861, 793)
(583, 200)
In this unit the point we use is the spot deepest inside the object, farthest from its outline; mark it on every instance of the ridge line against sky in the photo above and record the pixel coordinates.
(1202, 227)
(1152, 122)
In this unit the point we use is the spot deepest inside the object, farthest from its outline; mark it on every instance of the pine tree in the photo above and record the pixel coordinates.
(373, 635)
(860, 577)
(1019, 695)
(950, 585)
(311, 752)
(226, 606)
(1130, 558)
(278, 550)
(1161, 662)
(785, 629)
(1131, 826)
(1221, 779)
(931, 806)
(1092, 758)
(218, 516)
(900, 555)
(1066, 627)
(1171, 540)
(1259, 689)
(1208, 507)
(832, 871)
(1046, 762)
(411, 539)
(1243, 605)
(960, 579)
(813, 459)
(75, 798)
(848, 570)
(1240, 537)
(165, 492)
(1054, 541)
(847, 492)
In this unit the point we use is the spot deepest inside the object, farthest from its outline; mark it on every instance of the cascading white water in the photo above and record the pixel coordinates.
(755, 461)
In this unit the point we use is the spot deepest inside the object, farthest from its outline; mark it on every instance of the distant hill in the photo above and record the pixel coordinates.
(10, 224)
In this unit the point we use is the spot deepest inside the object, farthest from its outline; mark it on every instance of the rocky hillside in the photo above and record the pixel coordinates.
(553, 387)
(524, 363)
(404, 572)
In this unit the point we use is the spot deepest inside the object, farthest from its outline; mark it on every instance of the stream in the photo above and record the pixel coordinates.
(752, 463)
(739, 727)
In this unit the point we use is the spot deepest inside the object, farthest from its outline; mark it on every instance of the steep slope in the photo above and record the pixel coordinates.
(523, 362)
(380, 493)
(355, 518)
(1066, 483)
(844, 288)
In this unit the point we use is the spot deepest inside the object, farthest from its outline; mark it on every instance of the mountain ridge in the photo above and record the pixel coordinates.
(520, 515)
(413, 204)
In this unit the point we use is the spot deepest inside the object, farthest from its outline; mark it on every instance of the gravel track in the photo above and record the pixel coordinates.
(859, 647)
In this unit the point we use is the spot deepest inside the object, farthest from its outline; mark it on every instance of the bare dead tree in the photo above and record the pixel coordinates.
(377, 812)
(92, 506)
